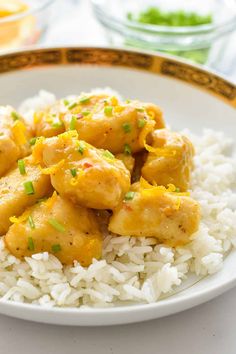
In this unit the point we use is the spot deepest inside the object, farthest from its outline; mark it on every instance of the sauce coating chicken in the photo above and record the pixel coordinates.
(14, 196)
(56, 226)
(88, 176)
(106, 123)
(14, 136)
(127, 160)
(155, 212)
(172, 162)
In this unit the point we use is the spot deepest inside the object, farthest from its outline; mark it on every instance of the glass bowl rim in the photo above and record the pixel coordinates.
(158, 29)
(40, 6)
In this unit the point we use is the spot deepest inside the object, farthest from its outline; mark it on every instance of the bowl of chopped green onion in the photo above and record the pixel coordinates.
(195, 30)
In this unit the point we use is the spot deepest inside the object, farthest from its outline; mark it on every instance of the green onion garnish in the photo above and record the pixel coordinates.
(56, 248)
(129, 195)
(108, 111)
(30, 244)
(73, 123)
(140, 109)
(84, 100)
(177, 189)
(86, 113)
(57, 124)
(81, 148)
(126, 127)
(33, 141)
(57, 226)
(15, 115)
(73, 172)
(127, 101)
(72, 105)
(108, 154)
(66, 102)
(31, 222)
(141, 122)
(29, 188)
(127, 149)
(21, 166)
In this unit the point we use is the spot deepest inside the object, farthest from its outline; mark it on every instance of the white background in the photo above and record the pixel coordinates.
(206, 329)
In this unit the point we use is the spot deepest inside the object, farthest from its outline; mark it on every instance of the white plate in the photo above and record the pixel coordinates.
(135, 75)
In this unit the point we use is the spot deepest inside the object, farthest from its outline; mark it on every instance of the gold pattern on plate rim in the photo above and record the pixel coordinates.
(120, 57)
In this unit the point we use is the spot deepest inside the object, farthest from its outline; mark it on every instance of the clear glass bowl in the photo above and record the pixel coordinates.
(27, 27)
(192, 42)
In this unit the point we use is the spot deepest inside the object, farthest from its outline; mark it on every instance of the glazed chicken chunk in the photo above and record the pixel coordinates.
(101, 120)
(18, 191)
(87, 176)
(156, 212)
(56, 226)
(14, 136)
(170, 160)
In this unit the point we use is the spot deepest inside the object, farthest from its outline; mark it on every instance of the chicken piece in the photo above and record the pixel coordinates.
(88, 176)
(50, 121)
(13, 192)
(58, 227)
(127, 160)
(14, 136)
(117, 127)
(172, 161)
(155, 212)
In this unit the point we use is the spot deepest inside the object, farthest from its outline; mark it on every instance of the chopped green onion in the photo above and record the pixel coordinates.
(29, 188)
(177, 189)
(57, 124)
(66, 102)
(31, 222)
(84, 100)
(81, 148)
(73, 123)
(15, 115)
(129, 195)
(126, 127)
(57, 226)
(56, 248)
(141, 122)
(73, 172)
(21, 166)
(72, 105)
(33, 141)
(140, 109)
(127, 101)
(30, 244)
(108, 154)
(108, 111)
(86, 113)
(127, 149)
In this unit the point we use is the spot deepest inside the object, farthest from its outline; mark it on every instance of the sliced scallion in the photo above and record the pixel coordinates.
(33, 141)
(108, 111)
(15, 115)
(127, 149)
(31, 222)
(56, 225)
(29, 188)
(56, 248)
(84, 99)
(21, 166)
(30, 244)
(73, 123)
(126, 127)
(129, 195)
(108, 154)
(141, 122)
(73, 172)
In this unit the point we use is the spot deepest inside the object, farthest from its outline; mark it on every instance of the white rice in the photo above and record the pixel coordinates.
(135, 269)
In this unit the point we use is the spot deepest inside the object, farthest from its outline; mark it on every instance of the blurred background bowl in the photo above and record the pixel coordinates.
(191, 42)
(25, 23)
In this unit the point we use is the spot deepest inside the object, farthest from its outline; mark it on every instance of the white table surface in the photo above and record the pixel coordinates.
(206, 329)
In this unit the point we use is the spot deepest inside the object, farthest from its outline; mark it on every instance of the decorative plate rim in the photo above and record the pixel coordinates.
(149, 61)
